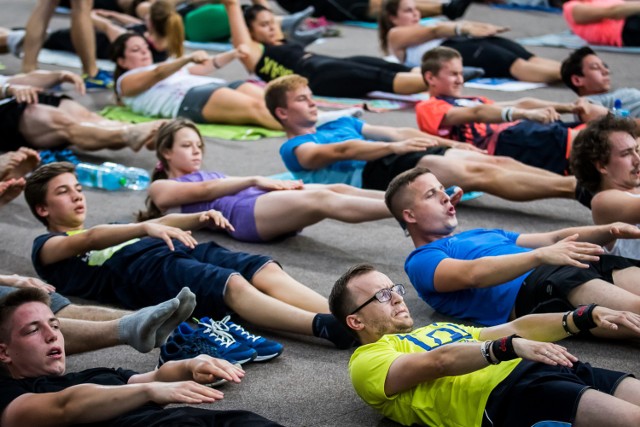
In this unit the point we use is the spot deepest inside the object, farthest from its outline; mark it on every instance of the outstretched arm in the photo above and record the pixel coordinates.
(615, 205)
(491, 113)
(240, 34)
(202, 369)
(85, 403)
(399, 134)
(596, 234)
(46, 79)
(588, 13)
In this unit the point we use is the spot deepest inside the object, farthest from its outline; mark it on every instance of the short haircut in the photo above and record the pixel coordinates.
(397, 189)
(35, 192)
(12, 301)
(433, 59)
(592, 146)
(275, 94)
(572, 66)
(341, 298)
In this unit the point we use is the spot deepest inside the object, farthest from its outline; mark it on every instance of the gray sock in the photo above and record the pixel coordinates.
(187, 305)
(139, 329)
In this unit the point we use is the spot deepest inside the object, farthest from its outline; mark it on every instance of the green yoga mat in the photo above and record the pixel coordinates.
(231, 132)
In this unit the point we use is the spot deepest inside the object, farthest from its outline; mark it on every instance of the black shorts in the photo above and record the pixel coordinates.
(537, 144)
(535, 392)
(333, 10)
(631, 31)
(545, 290)
(377, 174)
(493, 54)
(197, 97)
(10, 114)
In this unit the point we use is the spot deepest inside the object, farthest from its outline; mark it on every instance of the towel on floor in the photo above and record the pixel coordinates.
(231, 132)
(502, 84)
(211, 46)
(569, 40)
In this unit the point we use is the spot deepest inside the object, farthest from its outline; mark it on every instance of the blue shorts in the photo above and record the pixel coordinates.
(58, 302)
(537, 144)
(536, 392)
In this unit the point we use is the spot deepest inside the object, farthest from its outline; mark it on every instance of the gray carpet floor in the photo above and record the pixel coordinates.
(308, 385)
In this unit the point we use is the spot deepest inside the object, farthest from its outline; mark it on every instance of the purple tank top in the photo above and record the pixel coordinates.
(238, 208)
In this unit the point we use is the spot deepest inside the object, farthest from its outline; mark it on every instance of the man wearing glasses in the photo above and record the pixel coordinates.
(585, 73)
(456, 375)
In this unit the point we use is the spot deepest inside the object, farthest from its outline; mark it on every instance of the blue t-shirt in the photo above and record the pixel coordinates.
(487, 306)
(341, 172)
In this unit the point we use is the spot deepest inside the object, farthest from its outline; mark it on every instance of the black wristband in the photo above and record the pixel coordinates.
(503, 348)
(583, 317)
(565, 325)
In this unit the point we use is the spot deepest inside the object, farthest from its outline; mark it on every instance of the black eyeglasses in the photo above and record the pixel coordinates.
(383, 295)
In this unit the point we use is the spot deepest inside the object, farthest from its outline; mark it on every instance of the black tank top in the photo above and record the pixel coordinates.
(279, 60)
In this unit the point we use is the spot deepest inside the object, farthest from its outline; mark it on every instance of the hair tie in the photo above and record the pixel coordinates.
(159, 166)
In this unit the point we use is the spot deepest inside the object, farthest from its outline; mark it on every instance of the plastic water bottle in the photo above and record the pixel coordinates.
(618, 110)
(112, 176)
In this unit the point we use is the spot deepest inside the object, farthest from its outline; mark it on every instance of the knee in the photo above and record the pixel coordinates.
(237, 287)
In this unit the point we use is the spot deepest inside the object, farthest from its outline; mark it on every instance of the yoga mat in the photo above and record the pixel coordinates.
(374, 25)
(212, 46)
(231, 132)
(373, 105)
(502, 84)
(68, 59)
(569, 40)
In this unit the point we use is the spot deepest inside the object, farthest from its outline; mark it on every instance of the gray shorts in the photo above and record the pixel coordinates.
(197, 97)
(58, 302)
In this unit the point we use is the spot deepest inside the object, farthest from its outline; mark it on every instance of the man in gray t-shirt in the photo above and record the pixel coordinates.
(585, 73)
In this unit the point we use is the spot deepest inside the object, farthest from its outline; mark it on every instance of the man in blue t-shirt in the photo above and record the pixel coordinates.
(491, 276)
(350, 151)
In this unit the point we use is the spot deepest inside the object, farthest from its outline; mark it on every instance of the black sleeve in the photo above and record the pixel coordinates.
(10, 390)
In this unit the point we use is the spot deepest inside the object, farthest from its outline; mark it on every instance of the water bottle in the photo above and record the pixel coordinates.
(112, 176)
(618, 110)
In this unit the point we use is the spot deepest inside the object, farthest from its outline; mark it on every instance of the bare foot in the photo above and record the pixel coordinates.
(143, 135)
(16, 164)
(11, 189)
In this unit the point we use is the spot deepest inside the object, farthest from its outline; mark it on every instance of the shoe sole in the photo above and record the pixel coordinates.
(267, 357)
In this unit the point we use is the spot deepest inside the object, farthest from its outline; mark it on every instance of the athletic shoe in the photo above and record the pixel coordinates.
(265, 348)
(102, 80)
(15, 40)
(174, 351)
(224, 343)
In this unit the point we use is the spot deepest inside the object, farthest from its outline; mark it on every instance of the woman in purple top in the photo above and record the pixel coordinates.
(260, 209)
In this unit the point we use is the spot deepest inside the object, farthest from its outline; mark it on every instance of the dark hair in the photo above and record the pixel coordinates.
(341, 298)
(572, 66)
(433, 59)
(117, 51)
(35, 192)
(275, 94)
(592, 146)
(164, 141)
(12, 301)
(389, 9)
(250, 13)
(168, 24)
(397, 185)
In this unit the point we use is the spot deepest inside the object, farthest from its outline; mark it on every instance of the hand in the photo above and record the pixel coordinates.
(242, 51)
(217, 219)
(481, 29)
(543, 352)
(621, 230)
(17, 281)
(166, 233)
(102, 12)
(270, 184)
(542, 115)
(467, 146)
(165, 393)
(24, 94)
(569, 251)
(612, 319)
(413, 144)
(74, 79)
(206, 369)
(199, 56)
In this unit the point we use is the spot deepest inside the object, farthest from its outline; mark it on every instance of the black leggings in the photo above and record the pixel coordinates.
(631, 31)
(191, 417)
(354, 76)
(334, 10)
(61, 40)
(493, 54)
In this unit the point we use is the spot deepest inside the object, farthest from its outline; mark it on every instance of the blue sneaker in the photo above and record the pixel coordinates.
(102, 80)
(265, 348)
(225, 344)
(181, 349)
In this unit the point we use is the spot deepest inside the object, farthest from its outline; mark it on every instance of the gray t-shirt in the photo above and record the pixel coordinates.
(630, 98)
